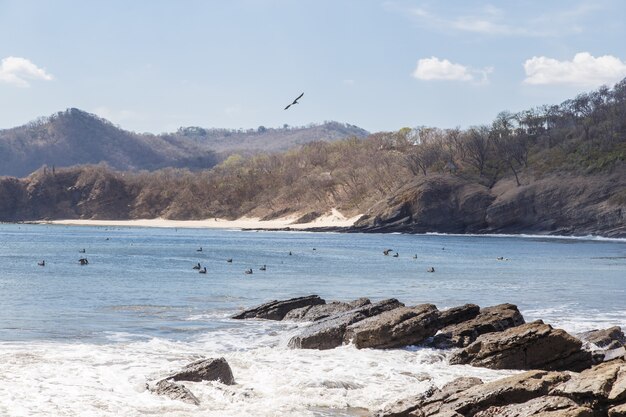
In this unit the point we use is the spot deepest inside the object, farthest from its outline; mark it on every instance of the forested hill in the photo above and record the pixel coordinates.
(556, 169)
(74, 137)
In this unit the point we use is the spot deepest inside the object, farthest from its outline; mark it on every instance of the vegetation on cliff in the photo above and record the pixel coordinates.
(552, 168)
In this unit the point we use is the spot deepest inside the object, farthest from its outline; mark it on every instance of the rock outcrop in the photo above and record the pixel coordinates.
(560, 204)
(529, 346)
(321, 311)
(599, 391)
(277, 310)
(442, 203)
(329, 333)
(604, 383)
(489, 319)
(202, 370)
(453, 399)
(606, 339)
(458, 314)
(174, 391)
(395, 328)
(206, 370)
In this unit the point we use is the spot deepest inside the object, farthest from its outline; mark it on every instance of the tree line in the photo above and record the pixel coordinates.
(584, 135)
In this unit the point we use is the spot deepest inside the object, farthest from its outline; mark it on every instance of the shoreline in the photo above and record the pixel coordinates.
(328, 221)
(324, 224)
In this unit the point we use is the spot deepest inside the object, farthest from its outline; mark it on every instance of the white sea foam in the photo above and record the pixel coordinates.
(573, 323)
(61, 379)
(531, 236)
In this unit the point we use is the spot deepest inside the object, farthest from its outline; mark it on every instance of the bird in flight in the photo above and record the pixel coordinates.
(295, 101)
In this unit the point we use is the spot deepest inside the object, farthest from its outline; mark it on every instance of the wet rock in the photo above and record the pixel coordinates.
(321, 311)
(399, 327)
(328, 333)
(529, 346)
(408, 406)
(276, 310)
(457, 400)
(458, 314)
(601, 384)
(489, 319)
(542, 406)
(206, 370)
(607, 339)
(174, 391)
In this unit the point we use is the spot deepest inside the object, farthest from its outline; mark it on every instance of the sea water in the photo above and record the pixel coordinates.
(85, 340)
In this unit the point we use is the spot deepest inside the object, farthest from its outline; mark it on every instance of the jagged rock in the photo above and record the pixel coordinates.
(529, 346)
(618, 411)
(174, 391)
(206, 370)
(602, 383)
(395, 328)
(467, 402)
(458, 314)
(542, 406)
(489, 319)
(611, 338)
(406, 407)
(328, 333)
(609, 355)
(276, 310)
(321, 311)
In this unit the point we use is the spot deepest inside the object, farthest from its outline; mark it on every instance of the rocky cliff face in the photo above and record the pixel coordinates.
(557, 204)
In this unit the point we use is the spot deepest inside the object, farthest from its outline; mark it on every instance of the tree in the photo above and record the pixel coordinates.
(477, 147)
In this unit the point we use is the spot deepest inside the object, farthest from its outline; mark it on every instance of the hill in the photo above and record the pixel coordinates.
(74, 137)
(554, 169)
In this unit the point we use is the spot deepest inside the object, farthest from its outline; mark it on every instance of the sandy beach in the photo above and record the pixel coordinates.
(333, 219)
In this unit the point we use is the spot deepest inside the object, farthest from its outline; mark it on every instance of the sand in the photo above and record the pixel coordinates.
(334, 219)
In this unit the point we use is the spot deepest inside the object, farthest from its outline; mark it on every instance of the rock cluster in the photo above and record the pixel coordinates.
(566, 375)
(495, 337)
(598, 391)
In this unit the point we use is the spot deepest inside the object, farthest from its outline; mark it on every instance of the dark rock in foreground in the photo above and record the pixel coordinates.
(599, 391)
(399, 327)
(321, 311)
(277, 310)
(206, 370)
(529, 346)
(174, 391)
(489, 319)
(329, 333)
(456, 400)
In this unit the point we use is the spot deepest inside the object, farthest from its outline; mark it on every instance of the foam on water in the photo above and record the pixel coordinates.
(531, 236)
(69, 379)
(85, 341)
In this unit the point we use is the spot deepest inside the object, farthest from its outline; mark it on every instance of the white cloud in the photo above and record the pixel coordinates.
(433, 68)
(17, 71)
(494, 21)
(584, 70)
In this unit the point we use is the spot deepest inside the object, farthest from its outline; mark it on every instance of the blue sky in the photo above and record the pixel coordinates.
(153, 66)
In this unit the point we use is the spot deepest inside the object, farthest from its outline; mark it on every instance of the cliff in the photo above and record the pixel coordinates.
(559, 204)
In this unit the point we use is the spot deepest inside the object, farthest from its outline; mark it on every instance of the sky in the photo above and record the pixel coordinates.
(154, 65)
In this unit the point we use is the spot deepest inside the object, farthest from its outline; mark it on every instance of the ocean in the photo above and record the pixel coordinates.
(84, 340)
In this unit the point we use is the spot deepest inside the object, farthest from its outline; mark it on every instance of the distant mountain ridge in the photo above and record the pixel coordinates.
(75, 137)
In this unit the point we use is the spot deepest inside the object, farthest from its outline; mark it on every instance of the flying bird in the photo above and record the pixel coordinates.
(295, 101)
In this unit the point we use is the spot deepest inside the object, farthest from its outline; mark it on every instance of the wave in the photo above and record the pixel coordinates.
(41, 379)
(530, 236)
